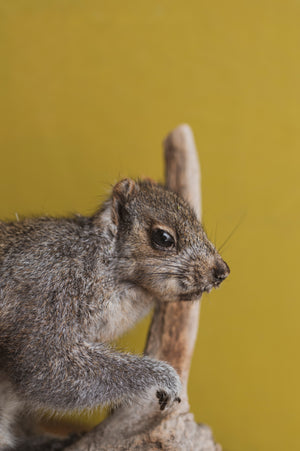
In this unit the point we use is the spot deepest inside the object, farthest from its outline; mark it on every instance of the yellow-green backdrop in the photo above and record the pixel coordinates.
(89, 88)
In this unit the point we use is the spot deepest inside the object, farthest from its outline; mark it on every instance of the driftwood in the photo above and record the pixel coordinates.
(171, 338)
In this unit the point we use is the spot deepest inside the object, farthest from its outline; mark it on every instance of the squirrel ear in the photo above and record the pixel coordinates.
(123, 191)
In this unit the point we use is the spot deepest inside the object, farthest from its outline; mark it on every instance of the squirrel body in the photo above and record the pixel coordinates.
(68, 286)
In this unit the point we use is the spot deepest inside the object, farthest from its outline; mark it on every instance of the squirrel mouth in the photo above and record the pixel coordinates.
(194, 295)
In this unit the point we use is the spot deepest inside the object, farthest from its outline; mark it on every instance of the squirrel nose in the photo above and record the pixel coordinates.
(220, 271)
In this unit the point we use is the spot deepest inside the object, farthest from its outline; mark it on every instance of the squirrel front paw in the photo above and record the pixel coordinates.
(168, 385)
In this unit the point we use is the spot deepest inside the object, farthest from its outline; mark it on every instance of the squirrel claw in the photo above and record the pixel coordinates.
(164, 399)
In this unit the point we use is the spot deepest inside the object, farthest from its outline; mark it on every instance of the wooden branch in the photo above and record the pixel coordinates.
(171, 337)
(174, 326)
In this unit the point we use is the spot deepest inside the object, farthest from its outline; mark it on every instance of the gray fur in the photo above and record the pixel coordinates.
(70, 285)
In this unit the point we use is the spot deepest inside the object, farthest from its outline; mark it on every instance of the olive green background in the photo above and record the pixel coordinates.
(88, 90)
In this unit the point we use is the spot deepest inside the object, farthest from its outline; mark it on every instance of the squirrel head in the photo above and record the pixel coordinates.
(159, 243)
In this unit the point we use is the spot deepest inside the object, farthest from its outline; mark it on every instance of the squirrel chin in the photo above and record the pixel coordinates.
(189, 297)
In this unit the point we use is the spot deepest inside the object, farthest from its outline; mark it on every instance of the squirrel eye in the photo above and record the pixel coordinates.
(160, 238)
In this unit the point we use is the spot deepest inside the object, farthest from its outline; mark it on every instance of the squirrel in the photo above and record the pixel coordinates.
(68, 286)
